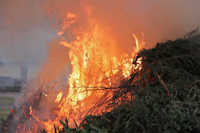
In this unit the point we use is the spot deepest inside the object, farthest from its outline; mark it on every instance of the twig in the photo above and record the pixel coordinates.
(163, 84)
(124, 120)
(193, 83)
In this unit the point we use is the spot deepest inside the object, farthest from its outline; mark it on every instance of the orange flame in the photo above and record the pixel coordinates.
(95, 61)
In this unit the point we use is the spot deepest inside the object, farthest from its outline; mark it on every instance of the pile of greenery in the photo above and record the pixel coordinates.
(165, 93)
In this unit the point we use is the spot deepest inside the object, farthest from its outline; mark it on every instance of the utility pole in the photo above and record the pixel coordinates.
(23, 71)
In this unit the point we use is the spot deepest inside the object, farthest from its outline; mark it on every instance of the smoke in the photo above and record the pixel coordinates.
(157, 19)
(57, 65)
(24, 31)
(19, 14)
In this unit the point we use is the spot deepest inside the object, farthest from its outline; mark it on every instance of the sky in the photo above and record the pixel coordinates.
(25, 31)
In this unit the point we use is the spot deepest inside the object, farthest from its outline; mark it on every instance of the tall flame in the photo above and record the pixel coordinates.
(96, 64)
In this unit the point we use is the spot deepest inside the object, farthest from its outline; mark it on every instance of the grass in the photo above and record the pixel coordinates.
(3, 114)
(7, 100)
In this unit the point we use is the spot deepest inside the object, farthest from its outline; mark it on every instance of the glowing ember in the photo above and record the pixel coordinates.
(31, 111)
(8, 22)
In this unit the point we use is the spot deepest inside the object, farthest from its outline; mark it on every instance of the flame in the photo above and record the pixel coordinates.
(59, 96)
(95, 64)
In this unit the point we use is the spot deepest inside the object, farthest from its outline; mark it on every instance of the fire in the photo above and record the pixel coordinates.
(94, 62)
(95, 65)
(59, 96)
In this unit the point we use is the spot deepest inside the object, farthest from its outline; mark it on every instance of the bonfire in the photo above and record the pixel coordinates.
(109, 90)
(97, 66)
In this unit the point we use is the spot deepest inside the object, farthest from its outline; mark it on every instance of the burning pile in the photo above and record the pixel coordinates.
(97, 65)
(164, 93)
(160, 95)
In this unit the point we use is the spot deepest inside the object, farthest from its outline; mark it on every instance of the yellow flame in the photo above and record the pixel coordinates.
(59, 96)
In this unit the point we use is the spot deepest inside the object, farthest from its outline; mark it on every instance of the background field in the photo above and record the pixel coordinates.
(7, 101)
